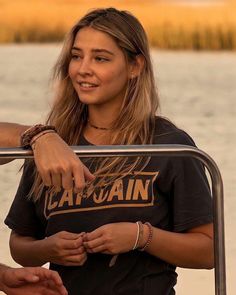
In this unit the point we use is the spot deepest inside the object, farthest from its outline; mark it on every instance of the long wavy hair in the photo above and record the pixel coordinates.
(136, 120)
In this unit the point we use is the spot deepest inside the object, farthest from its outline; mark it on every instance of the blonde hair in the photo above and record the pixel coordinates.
(136, 120)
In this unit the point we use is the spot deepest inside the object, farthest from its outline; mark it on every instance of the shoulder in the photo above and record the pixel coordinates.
(167, 133)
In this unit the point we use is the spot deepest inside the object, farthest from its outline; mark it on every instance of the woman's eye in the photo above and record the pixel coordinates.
(101, 59)
(75, 56)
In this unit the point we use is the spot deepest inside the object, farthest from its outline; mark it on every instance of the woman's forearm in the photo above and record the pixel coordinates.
(27, 251)
(10, 136)
(190, 250)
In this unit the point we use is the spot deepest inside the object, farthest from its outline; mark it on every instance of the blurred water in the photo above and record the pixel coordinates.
(197, 92)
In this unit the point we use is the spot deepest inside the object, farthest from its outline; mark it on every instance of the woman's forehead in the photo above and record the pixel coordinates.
(90, 38)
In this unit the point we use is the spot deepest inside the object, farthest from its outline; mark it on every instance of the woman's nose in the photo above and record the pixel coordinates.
(85, 67)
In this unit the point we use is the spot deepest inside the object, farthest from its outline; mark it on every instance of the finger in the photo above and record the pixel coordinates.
(45, 274)
(24, 275)
(63, 290)
(46, 178)
(93, 235)
(30, 278)
(69, 235)
(98, 249)
(72, 244)
(73, 252)
(67, 180)
(43, 171)
(87, 174)
(79, 181)
(76, 259)
(56, 181)
(54, 289)
(94, 243)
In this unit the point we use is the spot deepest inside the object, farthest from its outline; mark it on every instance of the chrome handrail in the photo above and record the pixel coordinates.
(170, 151)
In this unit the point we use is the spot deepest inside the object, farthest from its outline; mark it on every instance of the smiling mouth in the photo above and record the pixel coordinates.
(87, 85)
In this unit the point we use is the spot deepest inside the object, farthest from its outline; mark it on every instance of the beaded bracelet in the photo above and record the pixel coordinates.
(150, 228)
(28, 135)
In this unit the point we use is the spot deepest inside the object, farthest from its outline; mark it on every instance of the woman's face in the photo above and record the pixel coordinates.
(98, 69)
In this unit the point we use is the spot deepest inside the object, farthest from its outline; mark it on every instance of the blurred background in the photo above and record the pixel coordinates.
(171, 24)
(193, 47)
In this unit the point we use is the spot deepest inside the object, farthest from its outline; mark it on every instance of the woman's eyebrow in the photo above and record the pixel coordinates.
(95, 50)
(75, 48)
(98, 50)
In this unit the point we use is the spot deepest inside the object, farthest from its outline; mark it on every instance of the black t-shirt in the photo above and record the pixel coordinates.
(172, 193)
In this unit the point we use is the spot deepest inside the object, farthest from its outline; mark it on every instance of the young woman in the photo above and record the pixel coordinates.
(126, 232)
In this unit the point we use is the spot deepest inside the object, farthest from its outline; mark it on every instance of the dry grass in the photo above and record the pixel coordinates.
(169, 26)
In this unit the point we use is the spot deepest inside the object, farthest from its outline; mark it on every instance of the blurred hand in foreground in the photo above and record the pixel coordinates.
(30, 280)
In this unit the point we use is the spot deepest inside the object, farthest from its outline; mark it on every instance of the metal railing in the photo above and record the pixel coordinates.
(170, 151)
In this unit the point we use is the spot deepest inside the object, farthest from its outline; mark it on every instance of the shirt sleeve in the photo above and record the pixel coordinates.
(191, 195)
(22, 217)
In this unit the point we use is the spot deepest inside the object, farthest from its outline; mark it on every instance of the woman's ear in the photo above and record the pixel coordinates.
(136, 66)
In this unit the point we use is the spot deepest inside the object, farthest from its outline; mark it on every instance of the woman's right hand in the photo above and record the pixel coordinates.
(65, 248)
(58, 165)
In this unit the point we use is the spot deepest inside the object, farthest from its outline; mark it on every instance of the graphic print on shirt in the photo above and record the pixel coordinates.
(131, 191)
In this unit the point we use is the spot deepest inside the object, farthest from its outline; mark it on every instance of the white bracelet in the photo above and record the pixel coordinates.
(137, 236)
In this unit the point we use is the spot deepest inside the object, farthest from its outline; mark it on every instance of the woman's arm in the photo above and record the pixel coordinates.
(10, 136)
(63, 248)
(193, 249)
(25, 250)
(56, 162)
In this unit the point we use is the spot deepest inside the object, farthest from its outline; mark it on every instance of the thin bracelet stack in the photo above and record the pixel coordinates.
(36, 137)
(30, 136)
(139, 236)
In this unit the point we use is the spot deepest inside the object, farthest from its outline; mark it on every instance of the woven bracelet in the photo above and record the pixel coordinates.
(150, 228)
(27, 136)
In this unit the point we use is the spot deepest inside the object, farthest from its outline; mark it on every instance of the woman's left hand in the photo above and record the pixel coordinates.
(112, 238)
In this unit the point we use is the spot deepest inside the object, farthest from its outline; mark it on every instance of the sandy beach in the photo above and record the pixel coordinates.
(197, 93)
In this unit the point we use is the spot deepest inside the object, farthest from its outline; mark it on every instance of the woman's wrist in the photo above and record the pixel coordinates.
(143, 236)
(28, 135)
(41, 252)
(148, 238)
(41, 137)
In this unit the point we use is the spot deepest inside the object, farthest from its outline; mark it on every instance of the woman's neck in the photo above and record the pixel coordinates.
(98, 129)
(102, 117)
(97, 136)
